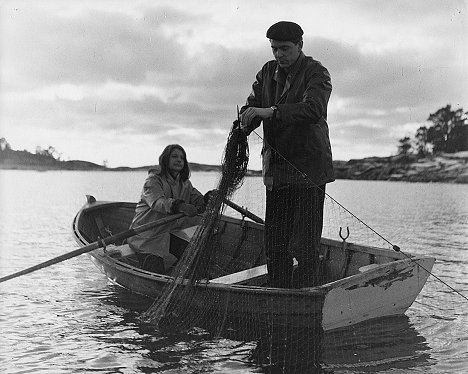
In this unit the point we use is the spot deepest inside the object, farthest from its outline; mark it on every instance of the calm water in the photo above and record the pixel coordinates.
(69, 319)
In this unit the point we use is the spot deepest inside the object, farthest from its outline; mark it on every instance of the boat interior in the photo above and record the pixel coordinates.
(240, 258)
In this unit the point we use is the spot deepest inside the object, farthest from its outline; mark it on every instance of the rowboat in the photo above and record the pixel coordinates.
(362, 282)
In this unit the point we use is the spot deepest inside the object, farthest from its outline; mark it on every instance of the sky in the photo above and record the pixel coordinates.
(116, 81)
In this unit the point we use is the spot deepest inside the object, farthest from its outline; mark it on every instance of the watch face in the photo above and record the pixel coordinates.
(275, 109)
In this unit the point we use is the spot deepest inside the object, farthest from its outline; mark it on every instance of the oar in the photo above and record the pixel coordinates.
(95, 245)
(244, 211)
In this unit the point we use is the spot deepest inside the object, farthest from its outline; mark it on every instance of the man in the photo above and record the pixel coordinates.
(290, 96)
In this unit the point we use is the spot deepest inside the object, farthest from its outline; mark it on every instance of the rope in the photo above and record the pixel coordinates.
(435, 276)
(394, 247)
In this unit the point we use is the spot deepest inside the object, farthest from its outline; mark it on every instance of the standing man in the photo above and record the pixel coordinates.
(290, 95)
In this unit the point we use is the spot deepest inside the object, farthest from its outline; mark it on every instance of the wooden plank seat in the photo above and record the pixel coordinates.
(244, 275)
(119, 251)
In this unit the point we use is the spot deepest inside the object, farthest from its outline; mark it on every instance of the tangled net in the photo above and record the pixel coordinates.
(175, 304)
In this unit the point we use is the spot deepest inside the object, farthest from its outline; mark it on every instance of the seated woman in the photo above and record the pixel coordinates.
(167, 190)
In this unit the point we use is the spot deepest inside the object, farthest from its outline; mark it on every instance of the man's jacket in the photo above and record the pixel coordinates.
(296, 148)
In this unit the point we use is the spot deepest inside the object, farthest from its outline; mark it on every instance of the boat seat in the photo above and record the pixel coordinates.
(365, 268)
(119, 251)
(180, 239)
(244, 275)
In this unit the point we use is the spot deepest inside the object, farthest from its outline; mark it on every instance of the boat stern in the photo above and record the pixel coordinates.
(384, 290)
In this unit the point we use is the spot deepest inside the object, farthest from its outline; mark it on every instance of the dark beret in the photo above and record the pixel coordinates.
(285, 31)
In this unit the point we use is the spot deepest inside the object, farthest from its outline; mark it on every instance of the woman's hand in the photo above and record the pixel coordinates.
(188, 209)
(209, 195)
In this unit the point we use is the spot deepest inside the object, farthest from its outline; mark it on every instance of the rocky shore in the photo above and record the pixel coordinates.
(446, 167)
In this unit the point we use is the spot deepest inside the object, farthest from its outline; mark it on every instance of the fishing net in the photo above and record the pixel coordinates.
(198, 259)
(222, 285)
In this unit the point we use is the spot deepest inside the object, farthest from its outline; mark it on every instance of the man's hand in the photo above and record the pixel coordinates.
(249, 114)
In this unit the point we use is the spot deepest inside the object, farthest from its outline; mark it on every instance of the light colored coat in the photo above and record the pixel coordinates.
(158, 195)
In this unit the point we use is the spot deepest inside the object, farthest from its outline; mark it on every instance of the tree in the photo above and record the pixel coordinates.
(50, 152)
(436, 135)
(449, 132)
(4, 145)
(405, 146)
(458, 139)
(421, 141)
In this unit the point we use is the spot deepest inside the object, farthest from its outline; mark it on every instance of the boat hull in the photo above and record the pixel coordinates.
(386, 283)
(231, 302)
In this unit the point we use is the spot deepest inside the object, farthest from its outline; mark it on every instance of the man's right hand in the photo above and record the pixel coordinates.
(248, 115)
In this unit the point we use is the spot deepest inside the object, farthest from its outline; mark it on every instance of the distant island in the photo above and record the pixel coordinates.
(46, 160)
(442, 167)
(438, 153)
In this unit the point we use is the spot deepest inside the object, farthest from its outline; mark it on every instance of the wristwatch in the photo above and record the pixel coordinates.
(275, 110)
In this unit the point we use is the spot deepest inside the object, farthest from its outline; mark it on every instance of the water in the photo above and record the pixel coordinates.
(68, 318)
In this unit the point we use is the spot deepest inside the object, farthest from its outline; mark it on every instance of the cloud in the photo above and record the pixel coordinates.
(171, 73)
(92, 46)
(378, 94)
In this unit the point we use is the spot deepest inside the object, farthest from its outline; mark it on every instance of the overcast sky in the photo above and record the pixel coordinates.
(119, 80)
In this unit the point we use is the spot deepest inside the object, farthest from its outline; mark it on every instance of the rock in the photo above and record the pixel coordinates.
(450, 168)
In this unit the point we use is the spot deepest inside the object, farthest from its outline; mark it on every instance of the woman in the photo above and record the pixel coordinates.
(167, 190)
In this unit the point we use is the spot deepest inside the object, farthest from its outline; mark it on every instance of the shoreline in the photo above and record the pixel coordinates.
(441, 168)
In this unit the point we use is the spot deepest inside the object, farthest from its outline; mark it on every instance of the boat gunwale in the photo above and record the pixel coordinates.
(324, 288)
(351, 246)
(108, 260)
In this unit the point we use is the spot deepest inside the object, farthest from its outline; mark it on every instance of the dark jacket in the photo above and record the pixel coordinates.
(299, 140)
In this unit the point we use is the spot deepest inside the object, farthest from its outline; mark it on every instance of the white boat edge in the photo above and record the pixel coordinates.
(382, 290)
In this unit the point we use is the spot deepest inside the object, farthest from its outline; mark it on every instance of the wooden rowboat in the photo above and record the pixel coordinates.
(362, 282)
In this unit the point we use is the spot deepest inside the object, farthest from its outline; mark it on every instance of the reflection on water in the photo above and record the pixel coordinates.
(381, 344)
(372, 346)
(277, 349)
(286, 349)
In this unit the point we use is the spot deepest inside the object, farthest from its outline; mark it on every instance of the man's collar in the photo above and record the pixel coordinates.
(292, 71)
(297, 64)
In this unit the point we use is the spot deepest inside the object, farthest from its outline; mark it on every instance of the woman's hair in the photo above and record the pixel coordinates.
(164, 161)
